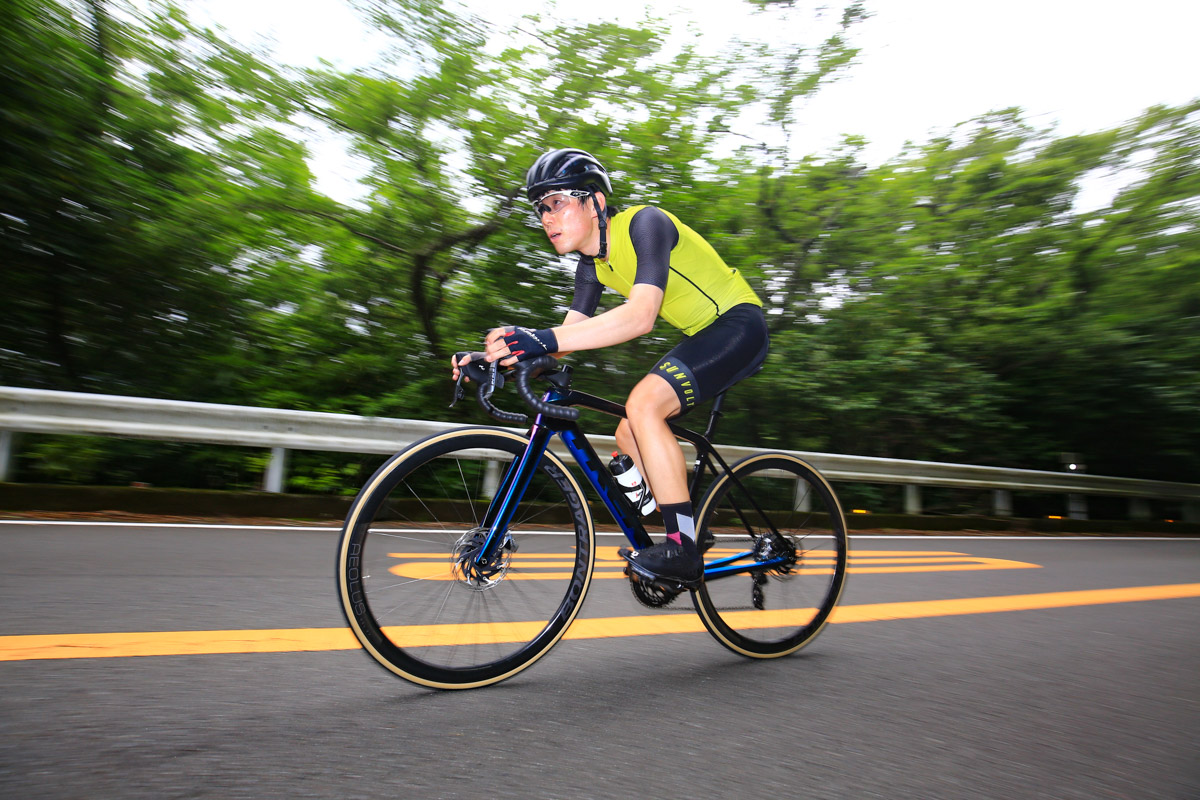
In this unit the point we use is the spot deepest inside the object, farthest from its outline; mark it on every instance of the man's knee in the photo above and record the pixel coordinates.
(652, 399)
(625, 436)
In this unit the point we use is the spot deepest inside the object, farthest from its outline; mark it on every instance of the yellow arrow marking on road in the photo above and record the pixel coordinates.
(168, 643)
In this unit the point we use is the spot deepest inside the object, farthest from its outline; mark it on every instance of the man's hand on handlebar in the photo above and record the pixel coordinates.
(496, 349)
(486, 373)
(474, 367)
(462, 359)
(508, 346)
(516, 343)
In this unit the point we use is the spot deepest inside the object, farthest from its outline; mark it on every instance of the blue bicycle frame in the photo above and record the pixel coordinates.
(520, 471)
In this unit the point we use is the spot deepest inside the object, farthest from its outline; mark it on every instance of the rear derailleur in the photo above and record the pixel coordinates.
(770, 549)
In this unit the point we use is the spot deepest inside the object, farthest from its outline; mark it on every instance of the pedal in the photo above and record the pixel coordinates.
(635, 572)
(672, 585)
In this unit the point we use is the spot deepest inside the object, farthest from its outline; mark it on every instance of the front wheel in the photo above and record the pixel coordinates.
(411, 587)
(778, 565)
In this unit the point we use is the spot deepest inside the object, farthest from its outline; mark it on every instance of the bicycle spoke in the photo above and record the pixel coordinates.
(449, 625)
(794, 566)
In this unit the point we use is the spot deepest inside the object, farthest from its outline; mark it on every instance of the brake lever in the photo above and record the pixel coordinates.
(459, 392)
(488, 377)
(494, 380)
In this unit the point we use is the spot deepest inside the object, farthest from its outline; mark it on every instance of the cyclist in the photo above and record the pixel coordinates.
(663, 268)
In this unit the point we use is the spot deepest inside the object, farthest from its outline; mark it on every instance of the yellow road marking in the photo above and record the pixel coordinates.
(609, 553)
(535, 566)
(440, 572)
(120, 645)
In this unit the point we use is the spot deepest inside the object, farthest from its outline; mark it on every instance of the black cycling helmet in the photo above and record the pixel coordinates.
(570, 168)
(565, 169)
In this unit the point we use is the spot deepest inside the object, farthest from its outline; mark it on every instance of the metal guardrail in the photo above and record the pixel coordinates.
(43, 411)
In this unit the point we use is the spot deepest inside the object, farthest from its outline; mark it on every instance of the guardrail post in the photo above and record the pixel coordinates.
(491, 479)
(273, 481)
(6, 451)
(803, 497)
(1139, 509)
(912, 499)
(1002, 503)
(1077, 506)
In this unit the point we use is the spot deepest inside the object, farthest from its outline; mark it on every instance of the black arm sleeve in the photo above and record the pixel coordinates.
(587, 288)
(654, 236)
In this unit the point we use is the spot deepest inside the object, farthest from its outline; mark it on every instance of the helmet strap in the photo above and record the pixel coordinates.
(602, 219)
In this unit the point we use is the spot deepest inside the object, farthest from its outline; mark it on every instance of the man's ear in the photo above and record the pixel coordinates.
(602, 200)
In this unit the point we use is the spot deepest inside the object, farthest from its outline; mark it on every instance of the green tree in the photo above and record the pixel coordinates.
(445, 248)
(131, 154)
(1056, 326)
(161, 234)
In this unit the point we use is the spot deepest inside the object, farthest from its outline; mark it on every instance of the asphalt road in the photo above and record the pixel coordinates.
(1083, 693)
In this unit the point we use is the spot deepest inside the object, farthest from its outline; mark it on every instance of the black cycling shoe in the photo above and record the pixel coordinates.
(667, 563)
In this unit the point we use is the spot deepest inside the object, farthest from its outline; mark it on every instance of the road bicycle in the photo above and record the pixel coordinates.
(467, 556)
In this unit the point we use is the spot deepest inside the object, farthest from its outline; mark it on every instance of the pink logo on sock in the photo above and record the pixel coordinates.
(675, 537)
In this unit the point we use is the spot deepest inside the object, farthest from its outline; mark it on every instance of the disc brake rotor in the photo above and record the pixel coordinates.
(473, 573)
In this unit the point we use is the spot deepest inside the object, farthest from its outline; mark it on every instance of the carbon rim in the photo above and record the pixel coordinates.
(778, 609)
(400, 563)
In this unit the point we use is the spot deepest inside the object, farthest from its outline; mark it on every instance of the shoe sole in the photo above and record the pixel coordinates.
(671, 584)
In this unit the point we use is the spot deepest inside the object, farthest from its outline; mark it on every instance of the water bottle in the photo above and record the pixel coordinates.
(637, 491)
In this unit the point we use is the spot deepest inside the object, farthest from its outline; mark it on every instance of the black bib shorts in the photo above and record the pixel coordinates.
(702, 366)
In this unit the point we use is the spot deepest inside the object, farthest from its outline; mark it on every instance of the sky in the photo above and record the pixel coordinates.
(925, 65)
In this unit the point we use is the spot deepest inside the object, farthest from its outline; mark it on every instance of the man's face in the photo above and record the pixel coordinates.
(568, 219)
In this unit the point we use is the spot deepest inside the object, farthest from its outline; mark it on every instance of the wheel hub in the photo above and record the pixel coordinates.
(476, 573)
(768, 548)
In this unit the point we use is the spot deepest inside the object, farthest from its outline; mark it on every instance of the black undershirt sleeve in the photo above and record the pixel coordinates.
(587, 287)
(654, 236)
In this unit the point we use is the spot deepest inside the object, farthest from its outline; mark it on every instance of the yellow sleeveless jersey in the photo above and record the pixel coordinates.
(700, 286)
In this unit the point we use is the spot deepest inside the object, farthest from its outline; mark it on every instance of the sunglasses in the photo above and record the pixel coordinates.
(553, 202)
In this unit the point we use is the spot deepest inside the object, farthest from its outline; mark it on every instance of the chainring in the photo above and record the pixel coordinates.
(648, 594)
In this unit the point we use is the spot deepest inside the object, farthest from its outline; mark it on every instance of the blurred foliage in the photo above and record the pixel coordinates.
(161, 236)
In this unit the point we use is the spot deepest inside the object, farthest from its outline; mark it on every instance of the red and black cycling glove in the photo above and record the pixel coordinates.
(526, 343)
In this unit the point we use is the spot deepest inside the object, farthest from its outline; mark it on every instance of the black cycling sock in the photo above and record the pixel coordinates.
(677, 518)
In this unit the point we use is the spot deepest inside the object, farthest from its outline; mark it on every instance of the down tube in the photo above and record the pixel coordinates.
(605, 485)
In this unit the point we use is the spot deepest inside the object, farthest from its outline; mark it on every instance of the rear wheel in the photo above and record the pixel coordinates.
(415, 594)
(781, 514)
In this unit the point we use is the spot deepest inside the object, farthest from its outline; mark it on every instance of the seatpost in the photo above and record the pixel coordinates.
(714, 415)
